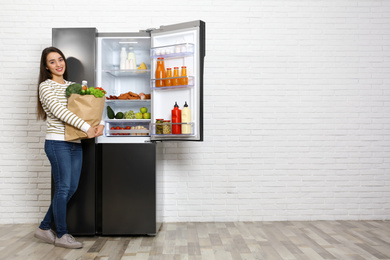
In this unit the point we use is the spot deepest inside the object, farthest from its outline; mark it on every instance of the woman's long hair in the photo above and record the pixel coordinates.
(45, 74)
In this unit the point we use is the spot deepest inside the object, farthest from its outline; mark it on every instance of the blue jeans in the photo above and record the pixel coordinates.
(66, 161)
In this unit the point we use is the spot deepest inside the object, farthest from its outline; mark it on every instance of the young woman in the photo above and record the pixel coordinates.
(65, 157)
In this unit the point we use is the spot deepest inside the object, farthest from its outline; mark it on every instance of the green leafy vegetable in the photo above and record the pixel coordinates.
(73, 89)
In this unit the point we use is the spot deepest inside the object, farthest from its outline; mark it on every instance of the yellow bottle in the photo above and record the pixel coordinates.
(186, 118)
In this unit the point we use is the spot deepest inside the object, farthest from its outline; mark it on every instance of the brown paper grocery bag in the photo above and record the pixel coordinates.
(87, 107)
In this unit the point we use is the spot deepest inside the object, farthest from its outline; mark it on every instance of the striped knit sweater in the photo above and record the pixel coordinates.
(54, 102)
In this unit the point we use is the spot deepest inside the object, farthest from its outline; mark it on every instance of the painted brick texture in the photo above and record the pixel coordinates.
(297, 108)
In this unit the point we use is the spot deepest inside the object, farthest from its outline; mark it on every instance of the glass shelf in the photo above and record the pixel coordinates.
(127, 120)
(128, 73)
(118, 101)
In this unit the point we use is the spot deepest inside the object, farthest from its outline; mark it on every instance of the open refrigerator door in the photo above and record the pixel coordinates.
(177, 99)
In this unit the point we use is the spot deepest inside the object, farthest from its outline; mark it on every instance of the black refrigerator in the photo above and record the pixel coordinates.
(120, 191)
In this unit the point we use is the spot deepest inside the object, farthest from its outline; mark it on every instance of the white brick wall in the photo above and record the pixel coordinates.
(297, 107)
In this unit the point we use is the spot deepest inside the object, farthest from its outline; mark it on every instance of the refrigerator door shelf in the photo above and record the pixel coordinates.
(154, 126)
(190, 83)
(172, 51)
(128, 73)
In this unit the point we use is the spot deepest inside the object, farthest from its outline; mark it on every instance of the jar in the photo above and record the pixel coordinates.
(167, 127)
(159, 126)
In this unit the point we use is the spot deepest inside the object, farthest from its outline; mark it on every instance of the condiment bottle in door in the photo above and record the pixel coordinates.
(184, 81)
(185, 118)
(176, 118)
(168, 81)
(160, 72)
(175, 81)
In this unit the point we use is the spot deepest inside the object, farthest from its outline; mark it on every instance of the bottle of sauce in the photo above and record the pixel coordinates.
(175, 80)
(176, 120)
(160, 72)
(184, 81)
(185, 118)
(168, 81)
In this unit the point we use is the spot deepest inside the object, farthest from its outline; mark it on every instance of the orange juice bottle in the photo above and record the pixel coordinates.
(168, 82)
(160, 72)
(184, 81)
(175, 81)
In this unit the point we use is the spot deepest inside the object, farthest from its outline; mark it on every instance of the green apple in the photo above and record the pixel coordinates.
(143, 110)
(146, 115)
(138, 115)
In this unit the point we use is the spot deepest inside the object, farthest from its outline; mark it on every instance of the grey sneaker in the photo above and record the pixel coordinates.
(45, 235)
(67, 241)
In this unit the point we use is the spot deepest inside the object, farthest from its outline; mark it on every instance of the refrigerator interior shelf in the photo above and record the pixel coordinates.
(129, 131)
(126, 120)
(128, 73)
(118, 101)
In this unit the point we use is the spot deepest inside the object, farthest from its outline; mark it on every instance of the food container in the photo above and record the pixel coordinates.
(167, 127)
(159, 126)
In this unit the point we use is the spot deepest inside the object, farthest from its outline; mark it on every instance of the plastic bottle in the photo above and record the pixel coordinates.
(184, 81)
(175, 81)
(123, 58)
(84, 83)
(186, 118)
(160, 72)
(132, 60)
(168, 82)
(176, 118)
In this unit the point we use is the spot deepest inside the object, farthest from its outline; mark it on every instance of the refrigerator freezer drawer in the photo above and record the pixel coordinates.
(128, 189)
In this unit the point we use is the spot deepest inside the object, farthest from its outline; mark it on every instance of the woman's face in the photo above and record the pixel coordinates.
(55, 64)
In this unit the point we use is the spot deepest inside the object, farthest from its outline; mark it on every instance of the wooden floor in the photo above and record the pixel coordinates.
(344, 240)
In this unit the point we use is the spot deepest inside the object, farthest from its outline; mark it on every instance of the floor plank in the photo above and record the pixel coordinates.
(286, 240)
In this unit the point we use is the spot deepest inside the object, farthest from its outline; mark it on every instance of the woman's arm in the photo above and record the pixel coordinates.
(51, 102)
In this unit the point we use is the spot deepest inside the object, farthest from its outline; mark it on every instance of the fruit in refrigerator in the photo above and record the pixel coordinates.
(146, 115)
(138, 115)
(119, 115)
(129, 114)
(110, 113)
(143, 110)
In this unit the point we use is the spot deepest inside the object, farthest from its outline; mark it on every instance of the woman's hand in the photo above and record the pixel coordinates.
(91, 132)
(99, 130)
